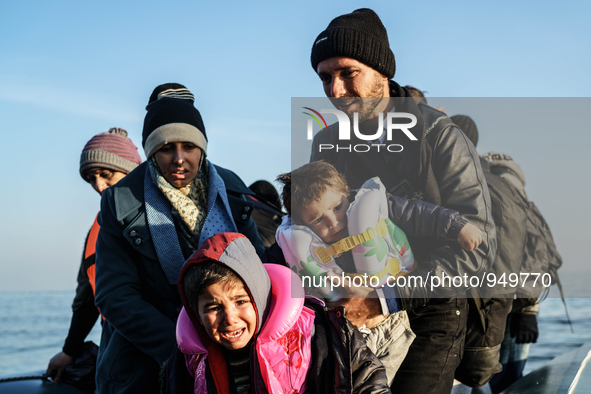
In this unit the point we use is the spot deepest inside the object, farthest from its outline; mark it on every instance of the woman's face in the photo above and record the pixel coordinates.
(178, 162)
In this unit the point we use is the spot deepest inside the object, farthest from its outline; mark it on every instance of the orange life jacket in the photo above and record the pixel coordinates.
(90, 252)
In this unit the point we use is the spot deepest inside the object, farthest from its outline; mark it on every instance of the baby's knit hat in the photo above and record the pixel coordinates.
(111, 150)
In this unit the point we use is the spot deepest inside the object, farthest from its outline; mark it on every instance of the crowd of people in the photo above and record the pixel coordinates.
(199, 279)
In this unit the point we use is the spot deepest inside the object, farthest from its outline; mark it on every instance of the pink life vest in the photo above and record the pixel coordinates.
(283, 346)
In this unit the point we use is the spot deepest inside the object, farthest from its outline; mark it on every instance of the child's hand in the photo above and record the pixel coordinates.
(470, 237)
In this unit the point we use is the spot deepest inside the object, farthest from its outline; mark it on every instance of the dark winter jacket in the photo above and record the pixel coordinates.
(132, 291)
(342, 362)
(444, 168)
(330, 349)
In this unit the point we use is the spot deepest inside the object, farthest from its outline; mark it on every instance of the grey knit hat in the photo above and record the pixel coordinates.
(359, 35)
(111, 150)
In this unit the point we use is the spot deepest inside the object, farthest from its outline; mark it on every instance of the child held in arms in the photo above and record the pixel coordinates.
(247, 327)
(331, 234)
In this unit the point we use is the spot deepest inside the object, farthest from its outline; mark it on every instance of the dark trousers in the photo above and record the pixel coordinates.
(429, 367)
(513, 358)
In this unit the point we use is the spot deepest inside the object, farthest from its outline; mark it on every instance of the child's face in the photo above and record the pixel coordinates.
(227, 314)
(327, 217)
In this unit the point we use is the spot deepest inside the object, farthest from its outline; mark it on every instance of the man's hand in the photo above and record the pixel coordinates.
(362, 308)
(470, 237)
(57, 365)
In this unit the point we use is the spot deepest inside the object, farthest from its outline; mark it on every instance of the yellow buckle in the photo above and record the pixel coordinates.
(343, 245)
(325, 254)
(322, 255)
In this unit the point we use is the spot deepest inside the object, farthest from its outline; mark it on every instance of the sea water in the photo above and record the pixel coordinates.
(34, 325)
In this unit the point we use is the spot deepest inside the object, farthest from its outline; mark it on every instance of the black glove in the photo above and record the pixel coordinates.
(524, 327)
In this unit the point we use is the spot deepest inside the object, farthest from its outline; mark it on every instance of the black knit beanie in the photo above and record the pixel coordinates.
(467, 125)
(359, 35)
(172, 117)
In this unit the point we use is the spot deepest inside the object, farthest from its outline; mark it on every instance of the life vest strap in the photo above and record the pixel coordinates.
(392, 268)
(327, 253)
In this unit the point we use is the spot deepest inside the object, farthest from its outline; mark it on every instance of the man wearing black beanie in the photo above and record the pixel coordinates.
(353, 59)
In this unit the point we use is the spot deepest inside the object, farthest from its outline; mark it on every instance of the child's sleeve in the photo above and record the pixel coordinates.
(422, 219)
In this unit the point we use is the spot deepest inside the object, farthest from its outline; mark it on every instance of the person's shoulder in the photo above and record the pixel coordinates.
(429, 111)
(435, 120)
(127, 196)
(442, 132)
(232, 181)
(132, 180)
(327, 134)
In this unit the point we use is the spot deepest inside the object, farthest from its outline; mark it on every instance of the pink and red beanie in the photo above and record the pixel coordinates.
(111, 150)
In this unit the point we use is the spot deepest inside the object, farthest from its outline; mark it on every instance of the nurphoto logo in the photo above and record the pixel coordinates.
(376, 141)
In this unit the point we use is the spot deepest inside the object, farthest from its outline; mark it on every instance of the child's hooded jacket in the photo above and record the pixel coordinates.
(285, 355)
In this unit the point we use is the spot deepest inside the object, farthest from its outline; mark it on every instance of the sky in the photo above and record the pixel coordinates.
(69, 70)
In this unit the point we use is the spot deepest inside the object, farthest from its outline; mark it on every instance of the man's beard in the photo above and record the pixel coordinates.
(367, 104)
(367, 108)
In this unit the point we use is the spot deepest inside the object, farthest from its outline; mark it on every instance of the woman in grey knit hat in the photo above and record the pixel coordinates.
(104, 161)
